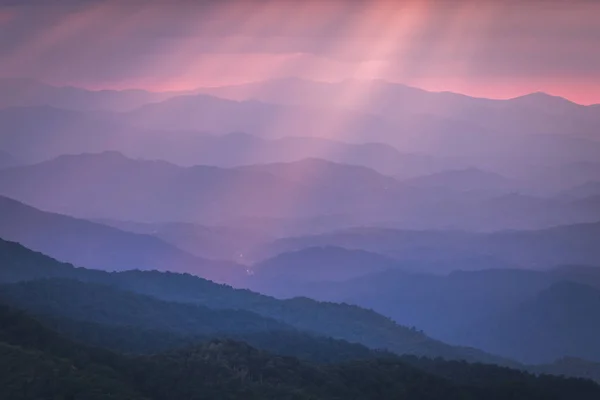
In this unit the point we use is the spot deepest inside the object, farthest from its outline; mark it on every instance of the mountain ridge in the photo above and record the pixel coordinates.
(87, 243)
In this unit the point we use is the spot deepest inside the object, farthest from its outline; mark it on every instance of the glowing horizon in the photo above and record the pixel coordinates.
(502, 93)
(477, 48)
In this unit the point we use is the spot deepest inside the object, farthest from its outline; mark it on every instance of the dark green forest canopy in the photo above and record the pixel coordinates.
(38, 363)
(90, 334)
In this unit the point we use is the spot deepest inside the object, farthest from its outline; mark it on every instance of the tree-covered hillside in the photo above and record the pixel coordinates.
(37, 363)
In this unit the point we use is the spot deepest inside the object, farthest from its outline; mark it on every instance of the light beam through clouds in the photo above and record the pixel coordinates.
(486, 48)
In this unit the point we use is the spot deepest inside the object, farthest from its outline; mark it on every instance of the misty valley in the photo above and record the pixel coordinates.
(289, 237)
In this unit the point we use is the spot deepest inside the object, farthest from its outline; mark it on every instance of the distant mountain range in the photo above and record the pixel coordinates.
(86, 186)
(318, 264)
(56, 131)
(218, 242)
(238, 149)
(469, 181)
(430, 130)
(213, 114)
(184, 246)
(29, 92)
(111, 186)
(533, 113)
(69, 132)
(453, 250)
(490, 141)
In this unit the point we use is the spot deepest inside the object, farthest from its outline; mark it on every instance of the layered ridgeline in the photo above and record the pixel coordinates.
(96, 245)
(450, 250)
(101, 297)
(173, 339)
(36, 362)
(147, 312)
(183, 247)
(530, 316)
(455, 130)
(532, 113)
(534, 316)
(376, 271)
(84, 186)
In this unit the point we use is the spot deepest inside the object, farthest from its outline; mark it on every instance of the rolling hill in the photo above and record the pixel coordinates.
(339, 321)
(86, 243)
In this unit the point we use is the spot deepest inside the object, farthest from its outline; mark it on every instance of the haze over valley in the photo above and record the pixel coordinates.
(223, 203)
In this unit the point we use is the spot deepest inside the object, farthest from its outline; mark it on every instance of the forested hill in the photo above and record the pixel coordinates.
(339, 321)
(38, 363)
(149, 312)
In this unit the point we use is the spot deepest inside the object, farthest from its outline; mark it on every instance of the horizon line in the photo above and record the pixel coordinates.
(196, 89)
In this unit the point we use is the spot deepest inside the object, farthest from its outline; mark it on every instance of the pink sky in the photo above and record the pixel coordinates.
(485, 48)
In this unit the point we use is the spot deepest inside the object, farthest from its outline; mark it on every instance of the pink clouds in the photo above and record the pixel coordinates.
(496, 49)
